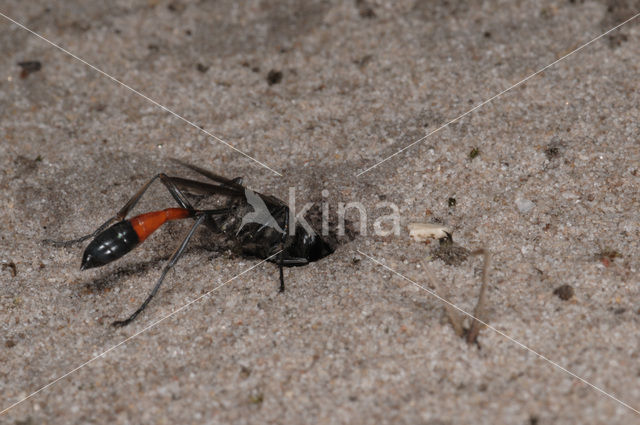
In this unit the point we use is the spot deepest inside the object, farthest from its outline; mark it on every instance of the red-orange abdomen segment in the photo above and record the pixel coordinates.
(146, 224)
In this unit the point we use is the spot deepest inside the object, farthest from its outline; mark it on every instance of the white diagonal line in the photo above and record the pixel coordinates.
(140, 94)
(503, 334)
(134, 335)
(497, 95)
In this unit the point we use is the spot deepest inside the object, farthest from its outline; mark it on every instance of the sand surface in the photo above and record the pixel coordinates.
(546, 177)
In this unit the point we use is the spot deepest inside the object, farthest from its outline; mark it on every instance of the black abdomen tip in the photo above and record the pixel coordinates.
(110, 245)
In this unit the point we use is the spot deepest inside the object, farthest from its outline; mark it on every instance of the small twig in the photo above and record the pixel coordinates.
(454, 316)
(480, 310)
(479, 313)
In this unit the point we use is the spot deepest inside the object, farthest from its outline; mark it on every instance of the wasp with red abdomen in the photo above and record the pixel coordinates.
(256, 224)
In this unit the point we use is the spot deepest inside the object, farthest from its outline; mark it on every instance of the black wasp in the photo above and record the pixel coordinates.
(256, 224)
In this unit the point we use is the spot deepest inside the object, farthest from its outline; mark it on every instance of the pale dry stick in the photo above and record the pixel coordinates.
(499, 332)
(480, 310)
(454, 316)
(164, 108)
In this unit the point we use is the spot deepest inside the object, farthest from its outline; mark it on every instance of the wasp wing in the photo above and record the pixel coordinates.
(200, 188)
(211, 175)
(228, 187)
(196, 187)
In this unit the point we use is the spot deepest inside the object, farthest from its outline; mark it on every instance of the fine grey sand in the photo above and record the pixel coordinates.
(545, 177)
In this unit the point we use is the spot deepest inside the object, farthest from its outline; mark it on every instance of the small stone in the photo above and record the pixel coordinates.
(564, 292)
(524, 205)
(421, 232)
(274, 77)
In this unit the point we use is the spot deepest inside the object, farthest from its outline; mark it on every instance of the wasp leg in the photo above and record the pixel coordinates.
(295, 262)
(180, 198)
(82, 238)
(172, 261)
(281, 268)
(171, 187)
(282, 242)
